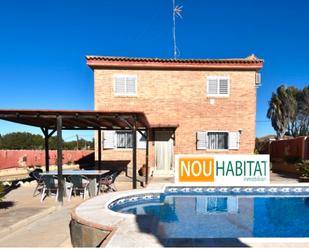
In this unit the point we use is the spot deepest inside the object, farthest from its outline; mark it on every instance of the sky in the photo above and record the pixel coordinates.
(44, 44)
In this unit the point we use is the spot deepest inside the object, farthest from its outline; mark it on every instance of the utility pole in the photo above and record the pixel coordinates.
(77, 145)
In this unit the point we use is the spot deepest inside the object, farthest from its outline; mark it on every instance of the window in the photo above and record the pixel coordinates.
(124, 139)
(217, 204)
(217, 140)
(125, 85)
(218, 86)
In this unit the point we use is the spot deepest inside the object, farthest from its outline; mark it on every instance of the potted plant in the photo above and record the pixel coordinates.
(1, 191)
(304, 171)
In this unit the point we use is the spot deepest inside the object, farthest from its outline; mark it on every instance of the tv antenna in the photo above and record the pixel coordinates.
(176, 13)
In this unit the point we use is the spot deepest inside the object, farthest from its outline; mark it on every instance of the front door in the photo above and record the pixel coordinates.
(164, 152)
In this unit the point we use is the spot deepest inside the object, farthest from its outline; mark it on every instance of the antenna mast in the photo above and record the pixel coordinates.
(176, 12)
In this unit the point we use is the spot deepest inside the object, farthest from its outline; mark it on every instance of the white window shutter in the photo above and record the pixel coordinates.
(233, 140)
(120, 85)
(232, 204)
(212, 86)
(201, 140)
(131, 85)
(140, 140)
(201, 204)
(109, 140)
(224, 86)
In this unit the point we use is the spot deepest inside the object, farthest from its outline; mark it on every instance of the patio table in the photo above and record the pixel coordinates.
(91, 175)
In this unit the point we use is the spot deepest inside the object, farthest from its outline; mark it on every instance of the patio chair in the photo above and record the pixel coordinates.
(35, 174)
(80, 184)
(51, 184)
(107, 181)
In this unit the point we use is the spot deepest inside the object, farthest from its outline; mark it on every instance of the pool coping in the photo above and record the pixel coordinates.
(95, 213)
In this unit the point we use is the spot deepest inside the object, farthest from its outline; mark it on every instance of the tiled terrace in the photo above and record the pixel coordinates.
(23, 217)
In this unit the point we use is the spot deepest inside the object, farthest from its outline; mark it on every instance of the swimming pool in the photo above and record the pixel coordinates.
(221, 212)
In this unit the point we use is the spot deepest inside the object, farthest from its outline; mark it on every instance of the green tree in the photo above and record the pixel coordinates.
(303, 112)
(277, 112)
(289, 111)
(21, 140)
(28, 141)
(291, 107)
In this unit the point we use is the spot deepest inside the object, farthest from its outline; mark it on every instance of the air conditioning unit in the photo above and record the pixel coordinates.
(258, 79)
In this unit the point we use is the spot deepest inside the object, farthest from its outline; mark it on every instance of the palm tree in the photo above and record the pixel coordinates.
(276, 115)
(303, 112)
(282, 109)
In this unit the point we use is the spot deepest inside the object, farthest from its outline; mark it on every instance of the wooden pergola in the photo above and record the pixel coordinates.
(51, 121)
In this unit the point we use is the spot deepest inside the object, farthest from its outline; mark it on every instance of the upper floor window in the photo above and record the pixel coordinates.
(218, 86)
(125, 85)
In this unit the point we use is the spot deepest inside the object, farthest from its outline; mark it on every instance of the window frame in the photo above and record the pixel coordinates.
(116, 142)
(218, 78)
(216, 131)
(126, 94)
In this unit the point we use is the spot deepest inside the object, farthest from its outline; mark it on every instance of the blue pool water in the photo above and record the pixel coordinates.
(196, 213)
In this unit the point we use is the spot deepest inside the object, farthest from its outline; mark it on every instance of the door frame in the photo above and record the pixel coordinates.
(165, 172)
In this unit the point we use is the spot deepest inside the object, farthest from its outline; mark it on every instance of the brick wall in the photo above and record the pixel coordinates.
(179, 97)
(30, 158)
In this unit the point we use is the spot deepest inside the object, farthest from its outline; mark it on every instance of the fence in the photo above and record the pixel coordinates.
(290, 148)
(285, 154)
(31, 158)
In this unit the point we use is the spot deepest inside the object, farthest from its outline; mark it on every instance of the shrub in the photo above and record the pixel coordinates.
(1, 191)
(304, 168)
(292, 159)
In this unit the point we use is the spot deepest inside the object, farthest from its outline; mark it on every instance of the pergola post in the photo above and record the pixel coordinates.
(46, 146)
(147, 156)
(59, 160)
(134, 155)
(99, 148)
(46, 138)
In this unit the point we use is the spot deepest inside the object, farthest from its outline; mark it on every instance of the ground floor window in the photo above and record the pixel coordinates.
(218, 140)
(124, 139)
(217, 204)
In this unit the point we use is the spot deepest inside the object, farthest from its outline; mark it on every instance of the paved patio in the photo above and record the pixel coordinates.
(277, 178)
(23, 217)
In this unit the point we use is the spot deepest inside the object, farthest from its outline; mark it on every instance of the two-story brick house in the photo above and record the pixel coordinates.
(193, 105)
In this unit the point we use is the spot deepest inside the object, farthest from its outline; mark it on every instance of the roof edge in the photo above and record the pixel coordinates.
(250, 62)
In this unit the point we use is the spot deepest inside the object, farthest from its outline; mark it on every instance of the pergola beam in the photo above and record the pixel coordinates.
(59, 120)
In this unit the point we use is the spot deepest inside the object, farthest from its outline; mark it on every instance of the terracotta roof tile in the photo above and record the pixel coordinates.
(249, 59)
(109, 61)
